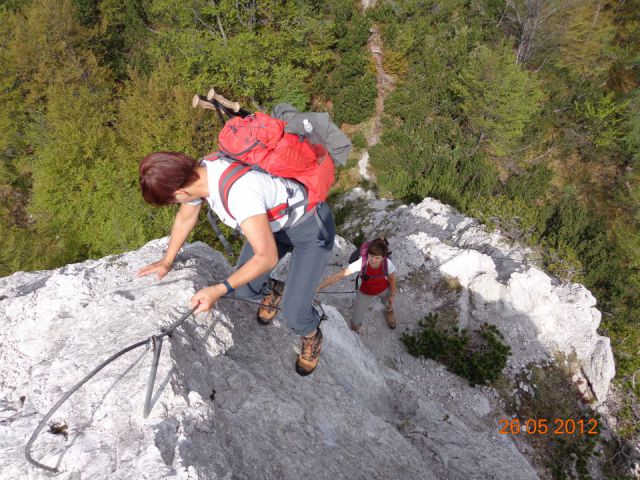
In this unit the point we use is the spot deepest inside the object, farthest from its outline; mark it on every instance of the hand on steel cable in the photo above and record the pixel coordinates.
(205, 298)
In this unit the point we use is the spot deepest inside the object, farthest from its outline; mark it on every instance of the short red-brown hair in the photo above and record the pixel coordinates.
(162, 173)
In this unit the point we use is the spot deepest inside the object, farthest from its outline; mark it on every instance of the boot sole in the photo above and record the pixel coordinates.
(304, 373)
(263, 322)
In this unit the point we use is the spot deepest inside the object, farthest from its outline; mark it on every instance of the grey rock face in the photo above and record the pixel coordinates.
(227, 402)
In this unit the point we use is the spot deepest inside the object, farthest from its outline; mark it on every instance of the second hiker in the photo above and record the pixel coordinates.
(377, 278)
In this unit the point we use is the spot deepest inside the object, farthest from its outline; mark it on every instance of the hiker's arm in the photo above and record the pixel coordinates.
(258, 233)
(393, 286)
(330, 280)
(185, 220)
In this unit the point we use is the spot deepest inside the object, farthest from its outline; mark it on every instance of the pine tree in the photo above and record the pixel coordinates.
(498, 98)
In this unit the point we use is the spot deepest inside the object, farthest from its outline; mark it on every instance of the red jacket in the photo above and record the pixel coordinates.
(376, 283)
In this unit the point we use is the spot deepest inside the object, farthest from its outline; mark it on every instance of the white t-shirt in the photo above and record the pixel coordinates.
(356, 266)
(252, 194)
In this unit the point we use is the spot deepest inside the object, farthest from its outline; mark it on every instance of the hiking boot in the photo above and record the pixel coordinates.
(269, 304)
(309, 353)
(356, 328)
(391, 320)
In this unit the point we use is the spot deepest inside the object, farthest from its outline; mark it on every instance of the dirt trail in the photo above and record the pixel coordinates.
(384, 84)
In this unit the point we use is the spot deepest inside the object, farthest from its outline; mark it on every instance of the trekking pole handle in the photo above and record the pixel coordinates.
(198, 101)
(233, 106)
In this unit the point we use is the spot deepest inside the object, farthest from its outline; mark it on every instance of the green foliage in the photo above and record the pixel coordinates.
(570, 459)
(352, 89)
(632, 137)
(516, 218)
(413, 164)
(356, 101)
(48, 46)
(359, 140)
(554, 397)
(289, 86)
(355, 35)
(561, 260)
(580, 41)
(122, 36)
(350, 84)
(480, 359)
(498, 98)
(601, 117)
(577, 244)
(71, 140)
(531, 185)
(246, 53)
(570, 222)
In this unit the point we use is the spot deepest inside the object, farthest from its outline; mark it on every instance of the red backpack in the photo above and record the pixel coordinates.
(259, 142)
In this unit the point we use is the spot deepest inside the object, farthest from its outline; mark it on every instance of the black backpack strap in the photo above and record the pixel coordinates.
(358, 282)
(291, 208)
(214, 224)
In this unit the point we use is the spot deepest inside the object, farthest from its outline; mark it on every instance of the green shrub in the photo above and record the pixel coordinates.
(561, 260)
(427, 162)
(530, 185)
(355, 102)
(359, 140)
(553, 398)
(601, 118)
(499, 98)
(480, 359)
(516, 219)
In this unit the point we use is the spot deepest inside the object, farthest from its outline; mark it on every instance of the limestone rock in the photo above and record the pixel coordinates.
(227, 402)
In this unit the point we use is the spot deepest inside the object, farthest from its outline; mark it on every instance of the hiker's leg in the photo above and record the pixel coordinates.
(384, 298)
(308, 260)
(388, 308)
(360, 308)
(258, 287)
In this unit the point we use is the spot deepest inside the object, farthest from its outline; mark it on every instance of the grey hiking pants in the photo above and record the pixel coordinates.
(362, 302)
(309, 253)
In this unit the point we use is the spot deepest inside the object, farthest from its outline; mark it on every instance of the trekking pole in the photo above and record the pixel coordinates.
(233, 106)
(198, 101)
(214, 100)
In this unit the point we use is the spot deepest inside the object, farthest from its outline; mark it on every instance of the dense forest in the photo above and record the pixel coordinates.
(522, 113)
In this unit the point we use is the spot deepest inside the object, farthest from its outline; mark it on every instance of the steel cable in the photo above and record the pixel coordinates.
(34, 435)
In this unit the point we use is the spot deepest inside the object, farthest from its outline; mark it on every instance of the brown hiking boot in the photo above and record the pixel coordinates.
(309, 353)
(269, 304)
(391, 320)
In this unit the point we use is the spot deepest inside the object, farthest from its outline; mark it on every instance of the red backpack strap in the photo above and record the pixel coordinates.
(230, 176)
(211, 157)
